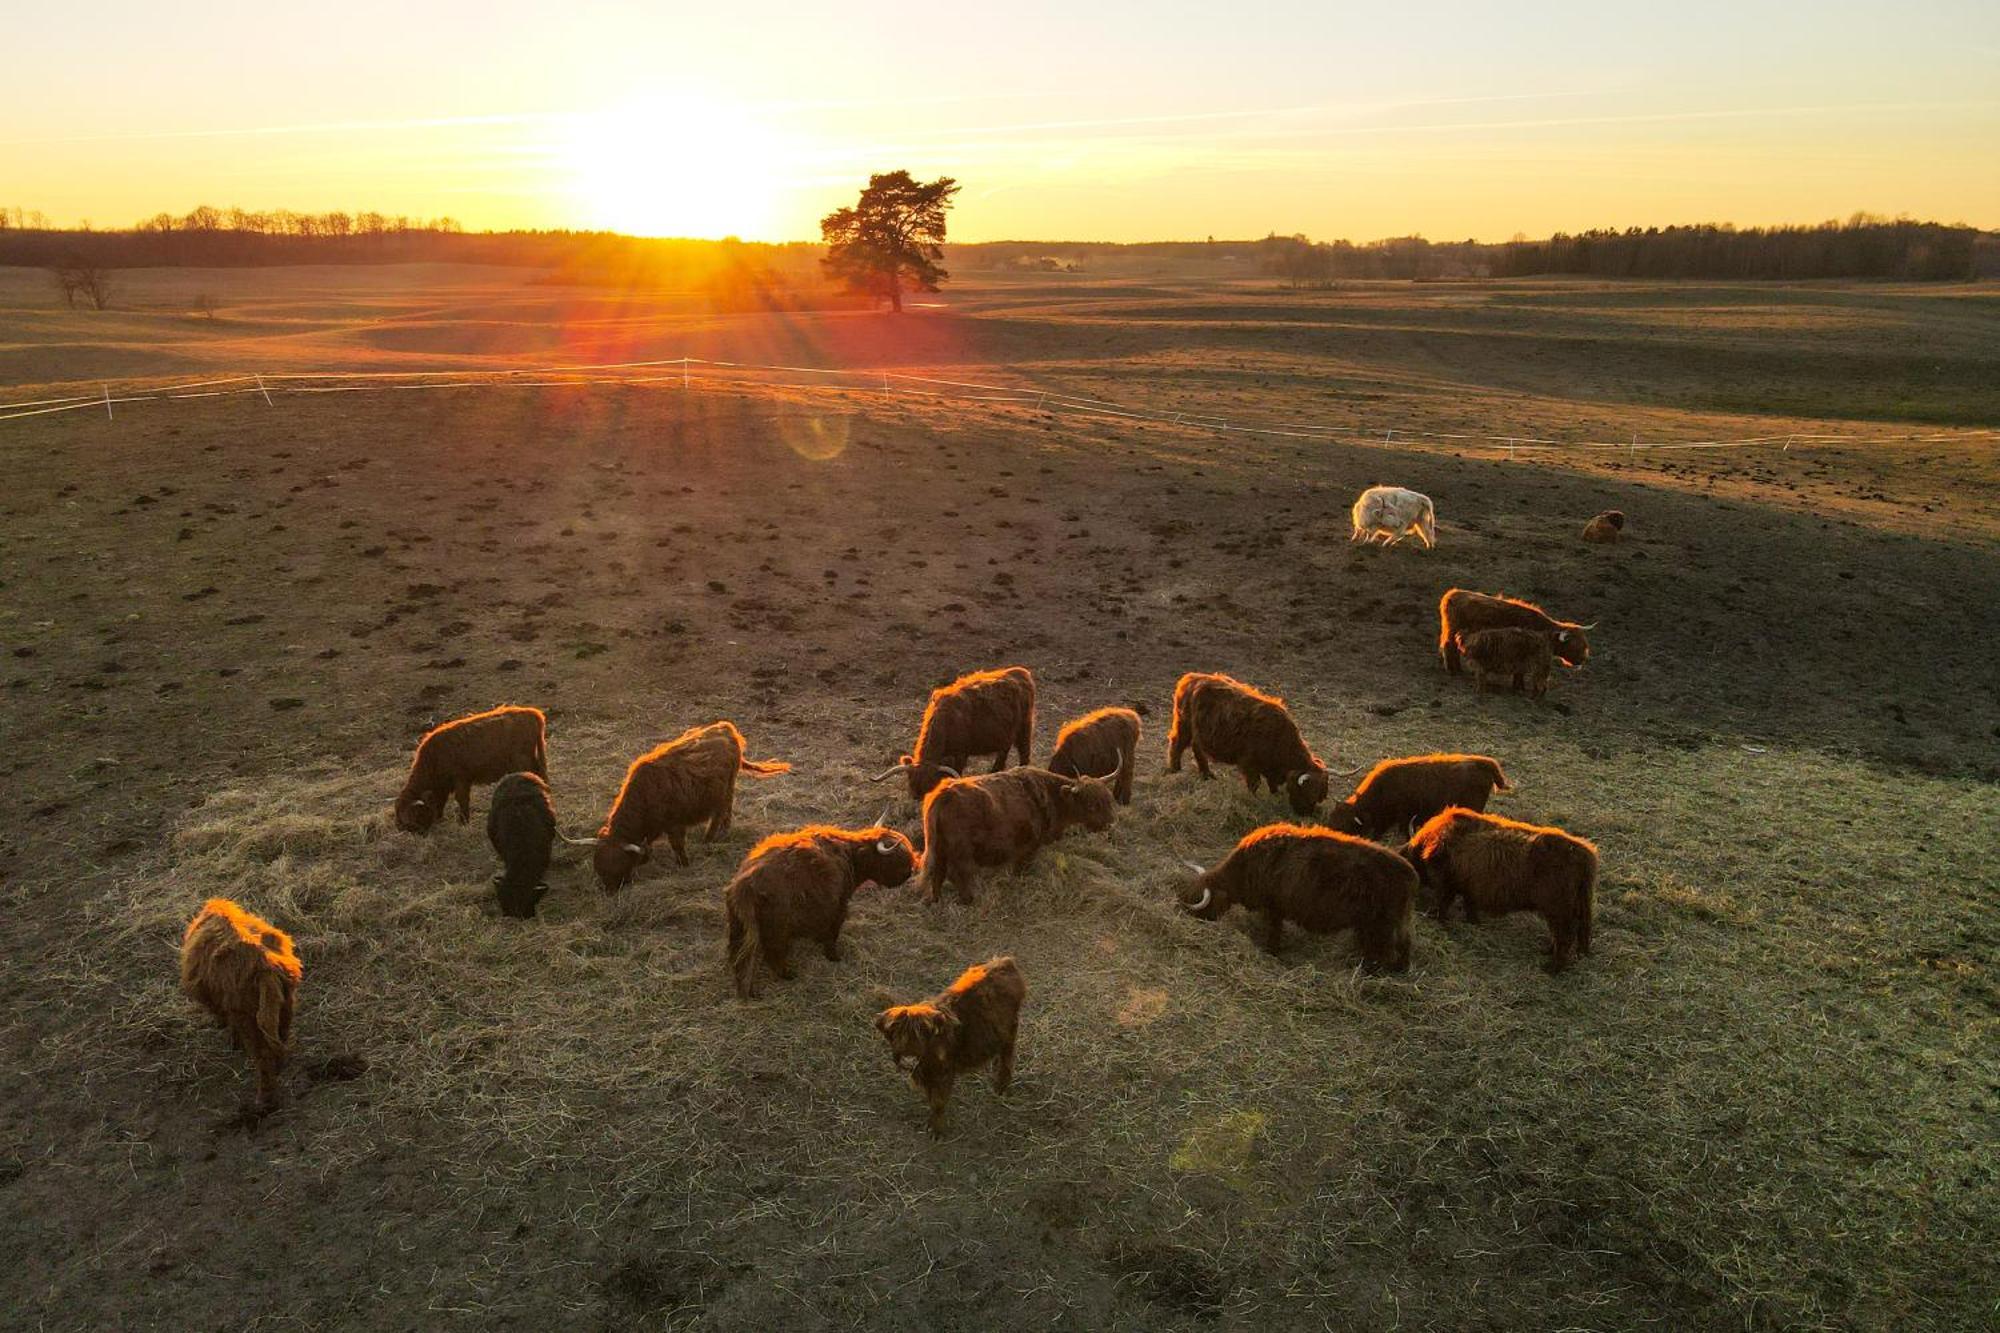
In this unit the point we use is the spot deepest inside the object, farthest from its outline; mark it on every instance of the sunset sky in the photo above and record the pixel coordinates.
(1117, 121)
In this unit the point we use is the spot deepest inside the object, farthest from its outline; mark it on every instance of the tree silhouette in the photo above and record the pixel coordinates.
(894, 234)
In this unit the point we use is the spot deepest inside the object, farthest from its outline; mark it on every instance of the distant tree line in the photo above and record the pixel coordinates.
(1861, 247)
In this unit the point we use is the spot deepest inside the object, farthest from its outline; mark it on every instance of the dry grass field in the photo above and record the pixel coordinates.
(1767, 1101)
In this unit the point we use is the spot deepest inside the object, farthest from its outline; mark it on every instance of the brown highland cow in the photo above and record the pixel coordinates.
(1105, 741)
(1224, 720)
(955, 1033)
(797, 885)
(987, 712)
(668, 789)
(241, 968)
(1324, 881)
(1003, 819)
(1399, 794)
(1499, 865)
(481, 748)
(1515, 658)
(1464, 612)
(1606, 527)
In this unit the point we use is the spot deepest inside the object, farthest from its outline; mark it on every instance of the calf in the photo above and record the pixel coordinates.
(1391, 512)
(1105, 741)
(241, 968)
(1224, 720)
(1606, 527)
(521, 825)
(1520, 658)
(1325, 881)
(1399, 794)
(1003, 819)
(1462, 611)
(1498, 865)
(987, 712)
(796, 885)
(481, 748)
(670, 788)
(958, 1031)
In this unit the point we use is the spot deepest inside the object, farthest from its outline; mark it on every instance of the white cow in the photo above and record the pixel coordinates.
(1392, 512)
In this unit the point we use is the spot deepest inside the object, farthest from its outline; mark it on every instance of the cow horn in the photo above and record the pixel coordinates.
(1196, 868)
(1345, 772)
(1109, 774)
(882, 820)
(889, 772)
(886, 845)
(1201, 903)
(1591, 625)
(633, 848)
(576, 842)
(948, 770)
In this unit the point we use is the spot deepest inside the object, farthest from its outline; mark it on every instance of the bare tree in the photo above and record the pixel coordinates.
(78, 277)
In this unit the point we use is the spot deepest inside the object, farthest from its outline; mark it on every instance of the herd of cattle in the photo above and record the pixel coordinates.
(797, 886)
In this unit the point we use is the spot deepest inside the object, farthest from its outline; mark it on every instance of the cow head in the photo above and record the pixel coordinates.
(922, 775)
(1087, 801)
(887, 857)
(518, 902)
(1203, 899)
(1306, 789)
(1345, 817)
(919, 1035)
(615, 860)
(1570, 644)
(415, 813)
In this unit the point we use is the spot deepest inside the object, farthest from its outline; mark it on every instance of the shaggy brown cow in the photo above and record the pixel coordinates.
(987, 712)
(1105, 741)
(241, 968)
(795, 885)
(1399, 794)
(484, 747)
(1499, 865)
(1323, 880)
(956, 1032)
(670, 788)
(1231, 723)
(521, 825)
(1003, 819)
(1462, 611)
(1520, 658)
(1605, 527)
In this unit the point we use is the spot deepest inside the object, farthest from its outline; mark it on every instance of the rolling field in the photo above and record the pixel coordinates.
(1768, 1099)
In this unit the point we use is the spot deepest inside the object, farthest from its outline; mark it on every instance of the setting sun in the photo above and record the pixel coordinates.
(673, 166)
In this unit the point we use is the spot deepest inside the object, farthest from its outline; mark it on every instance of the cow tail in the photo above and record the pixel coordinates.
(744, 942)
(763, 768)
(1500, 782)
(270, 1008)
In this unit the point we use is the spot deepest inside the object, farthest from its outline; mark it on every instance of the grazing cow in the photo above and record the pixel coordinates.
(1325, 881)
(1515, 657)
(521, 825)
(481, 748)
(241, 968)
(1391, 513)
(1462, 611)
(670, 788)
(1003, 819)
(1101, 742)
(1399, 794)
(797, 885)
(1231, 723)
(1499, 865)
(958, 1031)
(987, 712)
(1606, 527)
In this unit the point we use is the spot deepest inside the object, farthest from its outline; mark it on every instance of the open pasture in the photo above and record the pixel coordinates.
(1766, 1100)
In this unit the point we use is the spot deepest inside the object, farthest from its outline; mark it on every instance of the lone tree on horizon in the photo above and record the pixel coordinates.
(894, 234)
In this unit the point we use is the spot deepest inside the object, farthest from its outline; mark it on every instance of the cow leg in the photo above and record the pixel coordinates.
(1274, 930)
(936, 1095)
(962, 875)
(1122, 793)
(778, 953)
(832, 941)
(1448, 651)
(1562, 944)
(677, 839)
(1000, 760)
(464, 795)
(1177, 743)
(1251, 777)
(1201, 761)
(1003, 1066)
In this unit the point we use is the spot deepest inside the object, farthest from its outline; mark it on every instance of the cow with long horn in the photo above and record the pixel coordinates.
(1463, 612)
(1223, 720)
(1319, 879)
(1003, 819)
(477, 749)
(987, 712)
(668, 789)
(797, 886)
(1104, 741)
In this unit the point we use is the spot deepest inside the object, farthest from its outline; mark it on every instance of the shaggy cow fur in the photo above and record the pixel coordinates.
(521, 825)
(797, 885)
(1462, 612)
(987, 712)
(1499, 865)
(1399, 794)
(1224, 720)
(1097, 745)
(956, 1032)
(670, 788)
(1324, 881)
(1391, 513)
(1003, 819)
(241, 968)
(484, 747)
(1606, 527)
(1520, 658)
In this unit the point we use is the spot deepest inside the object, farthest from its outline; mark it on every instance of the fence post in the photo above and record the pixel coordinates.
(107, 402)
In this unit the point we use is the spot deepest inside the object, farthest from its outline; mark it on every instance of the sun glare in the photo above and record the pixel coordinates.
(667, 166)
